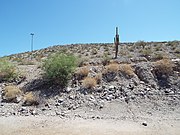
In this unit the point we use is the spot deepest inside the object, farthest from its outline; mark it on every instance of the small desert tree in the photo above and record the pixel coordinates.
(59, 68)
(7, 70)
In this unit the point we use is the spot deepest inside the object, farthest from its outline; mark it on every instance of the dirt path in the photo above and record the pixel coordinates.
(41, 125)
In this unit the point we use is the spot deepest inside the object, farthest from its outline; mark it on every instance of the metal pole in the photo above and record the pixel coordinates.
(32, 34)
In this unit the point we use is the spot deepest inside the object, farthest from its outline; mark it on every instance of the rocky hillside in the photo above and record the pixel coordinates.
(145, 74)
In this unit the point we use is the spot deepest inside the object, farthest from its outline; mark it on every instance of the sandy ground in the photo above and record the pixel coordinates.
(41, 125)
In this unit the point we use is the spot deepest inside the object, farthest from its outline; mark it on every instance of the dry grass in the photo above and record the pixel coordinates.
(160, 56)
(82, 62)
(89, 83)
(163, 67)
(30, 99)
(114, 67)
(98, 78)
(11, 93)
(82, 73)
(126, 69)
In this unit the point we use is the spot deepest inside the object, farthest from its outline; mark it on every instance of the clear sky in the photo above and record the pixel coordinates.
(58, 22)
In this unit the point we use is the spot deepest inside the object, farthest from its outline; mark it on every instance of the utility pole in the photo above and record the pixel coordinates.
(116, 42)
(32, 34)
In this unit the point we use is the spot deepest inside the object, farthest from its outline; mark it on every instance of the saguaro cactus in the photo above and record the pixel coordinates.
(116, 42)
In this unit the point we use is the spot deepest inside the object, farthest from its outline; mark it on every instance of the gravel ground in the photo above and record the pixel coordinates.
(54, 125)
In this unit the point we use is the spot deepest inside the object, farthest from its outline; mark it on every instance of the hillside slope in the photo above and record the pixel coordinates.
(142, 84)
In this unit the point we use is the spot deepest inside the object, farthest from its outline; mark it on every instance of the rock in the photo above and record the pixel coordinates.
(53, 114)
(91, 98)
(57, 104)
(71, 97)
(131, 86)
(111, 87)
(141, 82)
(47, 105)
(18, 99)
(68, 89)
(74, 107)
(63, 114)
(22, 109)
(144, 123)
(147, 89)
(93, 117)
(143, 71)
(33, 112)
(109, 97)
(60, 100)
(58, 113)
(101, 106)
(138, 59)
(109, 76)
(127, 99)
(43, 109)
(133, 97)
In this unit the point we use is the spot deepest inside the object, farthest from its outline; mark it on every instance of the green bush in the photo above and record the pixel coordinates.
(106, 59)
(140, 44)
(7, 70)
(59, 68)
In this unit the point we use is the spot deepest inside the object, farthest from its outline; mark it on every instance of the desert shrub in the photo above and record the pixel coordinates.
(163, 67)
(158, 47)
(159, 56)
(59, 68)
(131, 48)
(177, 50)
(82, 73)
(82, 61)
(30, 99)
(126, 70)
(173, 44)
(94, 51)
(63, 50)
(106, 59)
(140, 44)
(26, 62)
(89, 83)
(110, 72)
(106, 48)
(98, 78)
(124, 52)
(114, 67)
(7, 70)
(146, 52)
(11, 93)
(177, 55)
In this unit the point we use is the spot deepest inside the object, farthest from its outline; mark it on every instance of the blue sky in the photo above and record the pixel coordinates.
(61, 22)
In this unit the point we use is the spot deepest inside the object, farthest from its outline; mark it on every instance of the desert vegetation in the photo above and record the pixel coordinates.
(163, 67)
(65, 78)
(59, 68)
(8, 71)
(89, 83)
